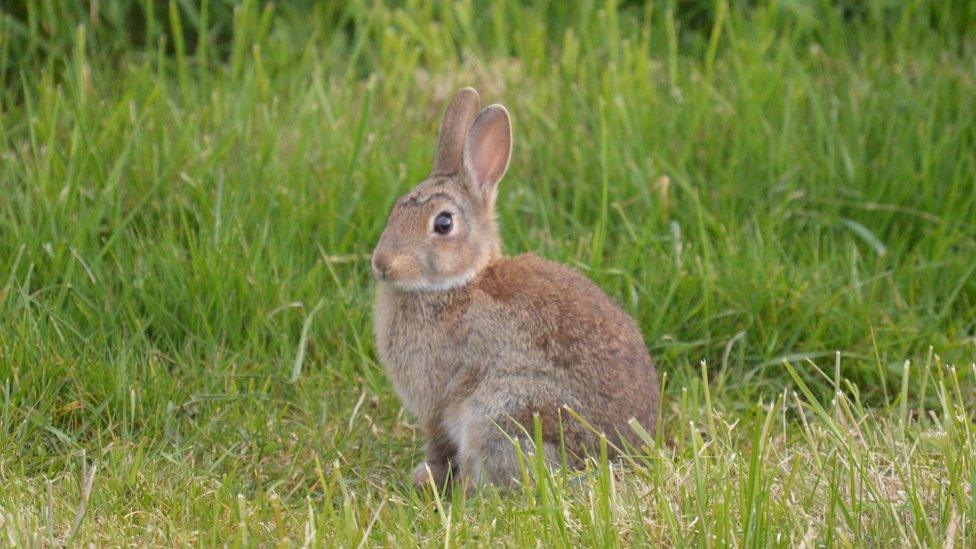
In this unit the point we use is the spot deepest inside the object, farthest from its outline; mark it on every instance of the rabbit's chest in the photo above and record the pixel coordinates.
(416, 350)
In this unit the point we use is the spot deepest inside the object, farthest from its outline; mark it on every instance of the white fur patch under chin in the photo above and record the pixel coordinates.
(422, 284)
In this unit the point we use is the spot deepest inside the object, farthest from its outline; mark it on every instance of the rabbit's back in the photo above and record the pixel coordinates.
(543, 336)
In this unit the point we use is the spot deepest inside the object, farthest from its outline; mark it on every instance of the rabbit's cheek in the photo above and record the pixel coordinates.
(455, 262)
(441, 258)
(411, 269)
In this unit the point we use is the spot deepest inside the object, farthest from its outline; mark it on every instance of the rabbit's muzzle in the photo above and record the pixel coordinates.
(381, 265)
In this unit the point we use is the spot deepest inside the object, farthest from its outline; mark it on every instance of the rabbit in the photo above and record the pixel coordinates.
(476, 343)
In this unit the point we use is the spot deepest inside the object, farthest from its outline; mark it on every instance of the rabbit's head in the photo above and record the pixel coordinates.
(443, 232)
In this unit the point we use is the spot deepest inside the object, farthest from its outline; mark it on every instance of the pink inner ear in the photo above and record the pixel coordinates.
(488, 147)
(491, 155)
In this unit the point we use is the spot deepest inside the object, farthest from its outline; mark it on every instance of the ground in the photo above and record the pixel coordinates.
(782, 196)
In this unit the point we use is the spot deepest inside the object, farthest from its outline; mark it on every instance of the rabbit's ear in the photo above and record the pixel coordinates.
(450, 140)
(487, 150)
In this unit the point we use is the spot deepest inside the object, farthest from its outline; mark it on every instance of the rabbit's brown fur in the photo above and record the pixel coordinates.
(476, 343)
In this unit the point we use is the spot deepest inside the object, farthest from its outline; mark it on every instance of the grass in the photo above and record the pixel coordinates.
(782, 196)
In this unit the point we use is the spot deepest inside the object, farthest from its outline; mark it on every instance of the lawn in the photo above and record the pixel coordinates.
(783, 195)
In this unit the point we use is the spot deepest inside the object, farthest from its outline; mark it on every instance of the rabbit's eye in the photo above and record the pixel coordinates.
(443, 223)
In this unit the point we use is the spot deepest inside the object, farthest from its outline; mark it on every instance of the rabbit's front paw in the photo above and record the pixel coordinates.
(421, 478)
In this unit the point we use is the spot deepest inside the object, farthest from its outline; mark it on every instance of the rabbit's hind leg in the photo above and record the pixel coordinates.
(492, 457)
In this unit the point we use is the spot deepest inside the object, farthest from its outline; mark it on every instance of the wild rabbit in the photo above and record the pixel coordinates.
(476, 343)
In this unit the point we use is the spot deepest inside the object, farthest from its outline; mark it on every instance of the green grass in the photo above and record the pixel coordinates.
(783, 196)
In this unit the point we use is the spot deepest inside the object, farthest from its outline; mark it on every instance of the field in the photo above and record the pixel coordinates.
(783, 195)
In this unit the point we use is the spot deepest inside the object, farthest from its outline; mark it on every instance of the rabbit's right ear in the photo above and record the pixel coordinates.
(450, 140)
(487, 150)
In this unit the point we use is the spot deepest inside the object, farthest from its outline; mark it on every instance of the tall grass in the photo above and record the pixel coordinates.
(783, 195)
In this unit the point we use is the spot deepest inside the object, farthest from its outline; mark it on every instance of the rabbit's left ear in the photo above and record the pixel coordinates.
(450, 140)
(487, 150)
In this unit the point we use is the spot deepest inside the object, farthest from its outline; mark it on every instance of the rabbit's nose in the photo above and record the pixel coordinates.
(381, 265)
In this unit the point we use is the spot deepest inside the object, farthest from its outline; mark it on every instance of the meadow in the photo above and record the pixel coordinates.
(782, 194)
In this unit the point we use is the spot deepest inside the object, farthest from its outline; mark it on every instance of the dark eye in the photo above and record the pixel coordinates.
(443, 223)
